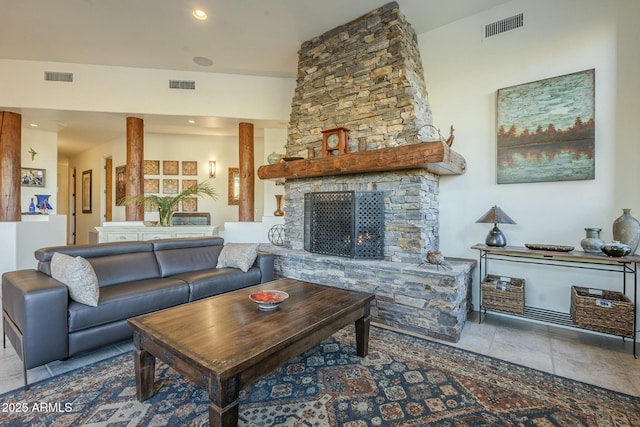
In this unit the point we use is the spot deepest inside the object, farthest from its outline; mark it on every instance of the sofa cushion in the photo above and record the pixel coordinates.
(183, 260)
(124, 268)
(207, 283)
(126, 300)
(238, 255)
(88, 252)
(78, 275)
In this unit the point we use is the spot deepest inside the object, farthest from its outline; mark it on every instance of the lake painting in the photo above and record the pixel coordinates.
(546, 130)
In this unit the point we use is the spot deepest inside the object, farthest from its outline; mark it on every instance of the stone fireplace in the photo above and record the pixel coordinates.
(367, 76)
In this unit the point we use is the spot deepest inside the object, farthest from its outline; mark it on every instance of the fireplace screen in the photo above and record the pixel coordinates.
(344, 223)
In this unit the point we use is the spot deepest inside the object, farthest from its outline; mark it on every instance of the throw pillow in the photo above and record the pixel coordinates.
(238, 255)
(78, 275)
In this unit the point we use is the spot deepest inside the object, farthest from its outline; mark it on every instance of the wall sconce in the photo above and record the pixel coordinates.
(212, 169)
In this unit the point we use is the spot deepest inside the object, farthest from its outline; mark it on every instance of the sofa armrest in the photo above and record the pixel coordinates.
(37, 306)
(264, 261)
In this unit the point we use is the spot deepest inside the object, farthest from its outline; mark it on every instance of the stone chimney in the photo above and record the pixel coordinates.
(365, 76)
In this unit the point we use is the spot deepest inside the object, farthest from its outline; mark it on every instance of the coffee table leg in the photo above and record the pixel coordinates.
(145, 368)
(362, 335)
(223, 409)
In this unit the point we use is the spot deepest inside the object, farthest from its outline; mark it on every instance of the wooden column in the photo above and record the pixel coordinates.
(10, 159)
(135, 168)
(246, 204)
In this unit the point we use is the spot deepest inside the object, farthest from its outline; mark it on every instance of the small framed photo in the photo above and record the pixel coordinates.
(30, 177)
(86, 191)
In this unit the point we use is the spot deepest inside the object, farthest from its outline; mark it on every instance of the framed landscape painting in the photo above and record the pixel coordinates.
(546, 130)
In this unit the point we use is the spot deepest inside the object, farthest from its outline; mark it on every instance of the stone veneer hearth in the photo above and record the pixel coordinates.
(367, 76)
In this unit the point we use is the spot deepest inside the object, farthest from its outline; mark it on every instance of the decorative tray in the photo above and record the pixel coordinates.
(545, 247)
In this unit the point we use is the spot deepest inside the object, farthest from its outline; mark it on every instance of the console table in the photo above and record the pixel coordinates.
(574, 259)
(114, 233)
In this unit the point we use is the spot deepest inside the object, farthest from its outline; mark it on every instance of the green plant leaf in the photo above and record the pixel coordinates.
(200, 190)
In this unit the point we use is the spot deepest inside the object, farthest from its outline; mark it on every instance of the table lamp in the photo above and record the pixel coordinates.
(496, 216)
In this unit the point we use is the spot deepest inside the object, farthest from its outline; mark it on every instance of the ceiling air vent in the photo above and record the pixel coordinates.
(502, 26)
(182, 84)
(58, 76)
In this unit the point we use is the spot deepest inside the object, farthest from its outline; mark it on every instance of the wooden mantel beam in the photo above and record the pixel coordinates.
(434, 156)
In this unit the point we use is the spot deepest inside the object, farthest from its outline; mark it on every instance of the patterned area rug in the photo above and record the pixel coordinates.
(404, 381)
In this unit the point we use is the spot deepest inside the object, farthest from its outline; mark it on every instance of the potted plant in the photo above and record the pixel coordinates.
(166, 204)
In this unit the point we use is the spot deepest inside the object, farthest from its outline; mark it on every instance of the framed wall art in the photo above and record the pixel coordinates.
(234, 186)
(86, 191)
(190, 204)
(170, 167)
(187, 183)
(189, 167)
(170, 186)
(546, 130)
(151, 167)
(151, 185)
(30, 177)
(120, 184)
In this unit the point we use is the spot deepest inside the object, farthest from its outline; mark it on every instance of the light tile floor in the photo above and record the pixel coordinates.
(603, 360)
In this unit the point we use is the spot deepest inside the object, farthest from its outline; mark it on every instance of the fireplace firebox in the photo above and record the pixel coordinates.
(345, 223)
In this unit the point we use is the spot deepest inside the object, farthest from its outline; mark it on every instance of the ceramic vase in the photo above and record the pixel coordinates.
(42, 203)
(626, 229)
(274, 158)
(593, 242)
(279, 211)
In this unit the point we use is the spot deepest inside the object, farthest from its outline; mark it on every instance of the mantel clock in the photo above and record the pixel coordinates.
(335, 141)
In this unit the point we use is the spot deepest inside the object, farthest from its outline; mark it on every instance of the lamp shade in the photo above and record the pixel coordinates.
(495, 215)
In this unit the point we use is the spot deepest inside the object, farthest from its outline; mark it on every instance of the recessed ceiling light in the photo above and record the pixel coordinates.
(199, 14)
(203, 61)
(33, 125)
(191, 121)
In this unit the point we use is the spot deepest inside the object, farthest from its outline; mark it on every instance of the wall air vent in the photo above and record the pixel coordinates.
(182, 84)
(502, 26)
(58, 76)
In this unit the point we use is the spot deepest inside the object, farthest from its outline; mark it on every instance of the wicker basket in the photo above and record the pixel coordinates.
(503, 294)
(601, 310)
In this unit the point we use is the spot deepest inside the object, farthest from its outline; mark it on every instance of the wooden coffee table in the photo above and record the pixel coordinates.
(224, 343)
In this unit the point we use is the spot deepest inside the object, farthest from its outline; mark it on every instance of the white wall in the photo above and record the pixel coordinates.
(463, 73)
(21, 239)
(143, 91)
